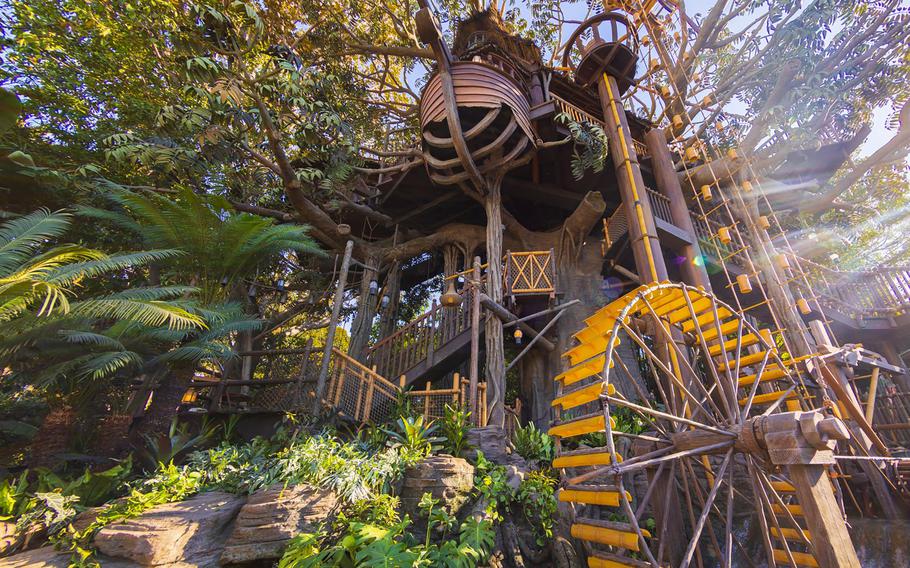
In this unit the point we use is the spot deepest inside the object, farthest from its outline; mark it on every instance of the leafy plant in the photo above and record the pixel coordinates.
(491, 482)
(91, 488)
(168, 448)
(537, 497)
(414, 437)
(594, 144)
(533, 444)
(14, 498)
(456, 423)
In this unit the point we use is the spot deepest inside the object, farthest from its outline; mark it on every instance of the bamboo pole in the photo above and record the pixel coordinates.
(333, 324)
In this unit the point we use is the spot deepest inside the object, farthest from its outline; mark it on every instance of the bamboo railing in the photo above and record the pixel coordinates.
(529, 272)
(361, 394)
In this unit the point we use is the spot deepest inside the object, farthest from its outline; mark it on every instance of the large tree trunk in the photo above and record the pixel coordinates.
(388, 317)
(495, 367)
(366, 309)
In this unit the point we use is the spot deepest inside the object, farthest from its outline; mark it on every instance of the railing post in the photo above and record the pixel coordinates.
(333, 323)
(456, 383)
(431, 333)
(426, 402)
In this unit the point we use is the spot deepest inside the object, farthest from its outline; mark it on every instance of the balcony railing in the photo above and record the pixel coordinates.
(529, 272)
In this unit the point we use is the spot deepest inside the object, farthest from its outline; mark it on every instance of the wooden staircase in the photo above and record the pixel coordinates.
(426, 348)
(763, 379)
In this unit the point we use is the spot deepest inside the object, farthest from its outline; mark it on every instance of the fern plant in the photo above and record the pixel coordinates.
(593, 144)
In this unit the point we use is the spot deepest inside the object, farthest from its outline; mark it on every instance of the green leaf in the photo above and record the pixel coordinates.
(9, 110)
(21, 158)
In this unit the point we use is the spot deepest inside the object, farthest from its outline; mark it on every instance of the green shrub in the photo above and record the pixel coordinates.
(456, 423)
(537, 496)
(413, 437)
(534, 445)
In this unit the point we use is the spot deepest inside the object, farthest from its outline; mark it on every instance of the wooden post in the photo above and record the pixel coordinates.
(426, 402)
(474, 366)
(870, 400)
(830, 538)
(493, 335)
(456, 387)
(333, 324)
(693, 271)
(431, 333)
(649, 259)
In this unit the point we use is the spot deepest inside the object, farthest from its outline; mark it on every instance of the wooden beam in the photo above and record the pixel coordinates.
(427, 206)
(333, 324)
(506, 316)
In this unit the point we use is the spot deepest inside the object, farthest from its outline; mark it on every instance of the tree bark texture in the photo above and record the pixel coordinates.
(495, 351)
(366, 308)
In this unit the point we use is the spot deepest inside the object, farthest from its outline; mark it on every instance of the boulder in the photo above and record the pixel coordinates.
(44, 557)
(270, 518)
(8, 537)
(188, 533)
(447, 478)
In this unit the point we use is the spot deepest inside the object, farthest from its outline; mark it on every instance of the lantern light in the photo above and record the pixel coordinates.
(518, 335)
(746, 186)
(451, 299)
(706, 192)
(745, 285)
(724, 235)
(764, 223)
(384, 302)
(803, 306)
(224, 281)
(374, 287)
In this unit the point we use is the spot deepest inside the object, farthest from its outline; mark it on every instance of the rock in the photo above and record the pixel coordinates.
(270, 518)
(44, 557)
(190, 532)
(447, 478)
(8, 537)
(492, 441)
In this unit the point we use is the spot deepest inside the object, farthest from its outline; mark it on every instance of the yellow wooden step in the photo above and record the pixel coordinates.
(606, 495)
(746, 360)
(583, 370)
(801, 558)
(581, 426)
(790, 534)
(706, 319)
(795, 510)
(590, 334)
(585, 457)
(771, 373)
(601, 559)
(682, 314)
(767, 398)
(588, 349)
(583, 395)
(729, 345)
(783, 487)
(726, 328)
(610, 533)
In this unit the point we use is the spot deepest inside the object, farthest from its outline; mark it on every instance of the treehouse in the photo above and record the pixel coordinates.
(655, 277)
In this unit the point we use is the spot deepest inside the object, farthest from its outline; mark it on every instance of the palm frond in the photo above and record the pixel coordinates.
(116, 218)
(147, 312)
(148, 293)
(71, 273)
(82, 337)
(20, 237)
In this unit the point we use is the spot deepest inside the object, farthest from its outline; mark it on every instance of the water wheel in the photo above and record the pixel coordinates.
(722, 473)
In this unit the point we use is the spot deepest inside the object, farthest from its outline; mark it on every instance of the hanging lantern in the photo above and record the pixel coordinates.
(655, 64)
(189, 397)
(731, 153)
(724, 235)
(518, 335)
(764, 223)
(451, 299)
(646, 40)
(282, 291)
(677, 122)
(224, 281)
(783, 261)
(691, 153)
(707, 101)
(744, 284)
(696, 77)
(374, 287)
(719, 126)
(746, 186)
(803, 306)
(664, 91)
(384, 302)
(706, 192)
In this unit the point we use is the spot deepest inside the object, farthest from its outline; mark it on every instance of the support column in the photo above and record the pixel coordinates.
(388, 318)
(333, 324)
(693, 270)
(649, 259)
(495, 367)
(366, 309)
